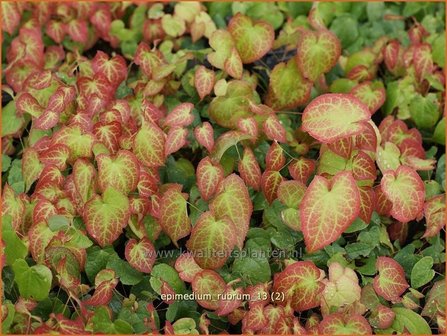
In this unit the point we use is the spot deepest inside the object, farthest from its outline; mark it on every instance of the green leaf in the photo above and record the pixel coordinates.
(6, 162)
(8, 320)
(254, 269)
(422, 272)
(166, 273)
(34, 282)
(439, 133)
(58, 222)
(15, 248)
(425, 111)
(97, 260)
(126, 273)
(11, 123)
(410, 321)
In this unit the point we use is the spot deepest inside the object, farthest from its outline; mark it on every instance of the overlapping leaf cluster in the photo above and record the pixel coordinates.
(282, 162)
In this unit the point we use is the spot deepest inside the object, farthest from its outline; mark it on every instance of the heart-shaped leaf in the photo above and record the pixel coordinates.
(212, 241)
(405, 189)
(176, 139)
(31, 167)
(149, 145)
(270, 182)
(141, 254)
(174, 215)
(317, 53)
(205, 135)
(210, 283)
(372, 94)
(434, 211)
(187, 267)
(105, 216)
(390, 283)
(233, 201)
(287, 87)
(204, 80)
(180, 116)
(301, 284)
(301, 169)
(333, 116)
(328, 208)
(249, 169)
(253, 39)
(209, 175)
(339, 324)
(114, 69)
(120, 172)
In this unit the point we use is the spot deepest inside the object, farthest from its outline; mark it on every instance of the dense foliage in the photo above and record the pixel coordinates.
(269, 168)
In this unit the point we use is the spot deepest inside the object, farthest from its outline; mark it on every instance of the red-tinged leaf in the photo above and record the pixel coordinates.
(147, 59)
(383, 204)
(180, 116)
(55, 155)
(253, 39)
(31, 167)
(418, 163)
(39, 80)
(291, 193)
(372, 94)
(114, 69)
(79, 142)
(231, 299)
(339, 324)
(11, 15)
(274, 130)
(84, 175)
(56, 30)
(39, 235)
(259, 295)
(148, 182)
(204, 80)
(212, 241)
(390, 283)
(367, 139)
(176, 139)
(108, 134)
(205, 135)
(405, 189)
(317, 53)
(333, 116)
(210, 283)
(222, 42)
(167, 291)
(69, 327)
(384, 317)
(150, 112)
(287, 87)
(363, 167)
(26, 103)
(105, 216)
(392, 55)
(233, 64)
(328, 208)
(13, 206)
(47, 120)
(342, 147)
(78, 30)
(140, 255)
(261, 109)
(367, 203)
(187, 267)
(270, 181)
(301, 284)
(301, 169)
(249, 169)
(98, 86)
(105, 283)
(248, 126)
(149, 145)
(120, 172)
(43, 210)
(422, 60)
(254, 320)
(174, 218)
(233, 201)
(434, 211)
(275, 159)
(60, 99)
(209, 175)
(225, 141)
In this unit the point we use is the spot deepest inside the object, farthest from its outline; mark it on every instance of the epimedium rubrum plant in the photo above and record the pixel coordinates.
(256, 168)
